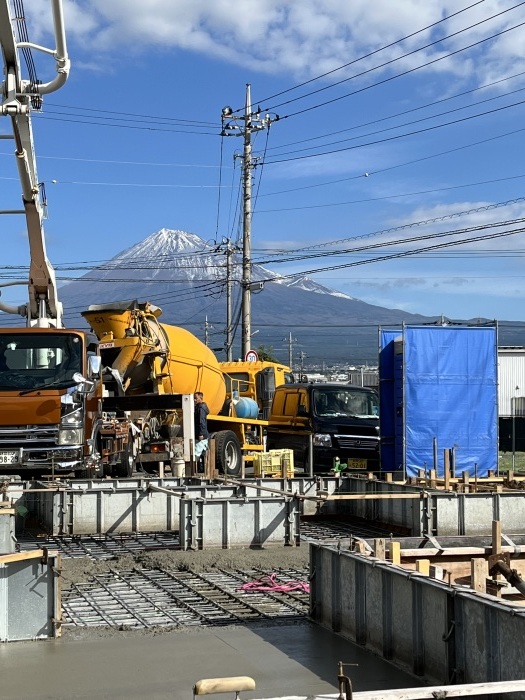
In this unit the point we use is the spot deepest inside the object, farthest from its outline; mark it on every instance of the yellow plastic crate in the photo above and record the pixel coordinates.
(283, 461)
(266, 463)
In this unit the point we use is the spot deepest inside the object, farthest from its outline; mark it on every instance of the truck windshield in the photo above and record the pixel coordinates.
(345, 401)
(37, 361)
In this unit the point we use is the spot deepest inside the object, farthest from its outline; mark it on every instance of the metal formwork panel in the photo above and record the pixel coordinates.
(29, 597)
(473, 513)
(249, 522)
(7, 530)
(438, 631)
(88, 507)
(74, 512)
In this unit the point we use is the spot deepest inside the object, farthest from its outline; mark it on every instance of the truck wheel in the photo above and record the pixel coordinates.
(228, 455)
(125, 467)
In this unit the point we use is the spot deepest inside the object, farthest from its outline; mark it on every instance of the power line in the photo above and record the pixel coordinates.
(394, 138)
(403, 254)
(415, 224)
(176, 120)
(398, 58)
(423, 119)
(127, 126)
(394, 196)
(368, 55)
(413, 109)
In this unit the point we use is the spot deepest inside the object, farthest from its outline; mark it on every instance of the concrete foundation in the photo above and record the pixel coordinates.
(160, 505)
(434, 513)
(30, 600)
(441, 632)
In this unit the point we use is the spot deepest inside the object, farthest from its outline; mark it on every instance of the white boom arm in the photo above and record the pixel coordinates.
(43, 309)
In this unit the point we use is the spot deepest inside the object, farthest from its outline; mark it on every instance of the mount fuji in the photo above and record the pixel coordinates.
(186, 277)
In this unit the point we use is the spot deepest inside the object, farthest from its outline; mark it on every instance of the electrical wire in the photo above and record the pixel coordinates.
(412, 109)
(398, 58)
(394, 138)
(394, 196)
(368, 55)
(147, 117)
(423, 119)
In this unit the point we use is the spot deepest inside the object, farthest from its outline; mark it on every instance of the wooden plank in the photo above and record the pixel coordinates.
(451, 691)
(422, 693)
(446, 458)
(479, 571)
(451, 552)
(24, 556)
(496, 536)
(373, 496)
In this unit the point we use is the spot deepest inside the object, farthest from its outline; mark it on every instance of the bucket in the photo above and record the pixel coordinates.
(178, 467)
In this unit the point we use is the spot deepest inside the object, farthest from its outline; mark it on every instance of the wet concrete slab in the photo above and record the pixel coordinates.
(294, 659)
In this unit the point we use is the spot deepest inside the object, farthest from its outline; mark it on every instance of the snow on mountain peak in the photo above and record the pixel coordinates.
(309, 285)
(187, 256)
(163, 243)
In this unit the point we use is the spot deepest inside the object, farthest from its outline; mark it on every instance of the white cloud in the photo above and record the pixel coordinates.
(302, 38)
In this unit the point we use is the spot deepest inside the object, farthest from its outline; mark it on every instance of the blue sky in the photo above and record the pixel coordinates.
(376, 136)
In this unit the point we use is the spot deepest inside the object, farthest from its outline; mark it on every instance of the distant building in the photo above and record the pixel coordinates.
(314, 378)
(511, 398)
(365, 376)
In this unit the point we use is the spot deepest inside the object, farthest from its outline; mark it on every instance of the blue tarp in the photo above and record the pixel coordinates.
(445, 389)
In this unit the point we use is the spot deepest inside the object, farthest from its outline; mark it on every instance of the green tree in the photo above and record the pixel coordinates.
(266, 353)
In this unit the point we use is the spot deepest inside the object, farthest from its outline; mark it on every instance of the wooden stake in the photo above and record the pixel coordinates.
(446, 459)
(496, 549)
(380, 548)
(423, 566)
(394, 552)
(479, 571)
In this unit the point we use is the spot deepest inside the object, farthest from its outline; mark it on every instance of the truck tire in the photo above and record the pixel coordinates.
(228, 455)
(125, 467)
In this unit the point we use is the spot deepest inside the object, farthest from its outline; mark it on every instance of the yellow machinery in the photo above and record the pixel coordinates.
(146, 356)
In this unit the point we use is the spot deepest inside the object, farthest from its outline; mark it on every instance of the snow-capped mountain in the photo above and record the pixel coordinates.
(186, 277)
(309, 285)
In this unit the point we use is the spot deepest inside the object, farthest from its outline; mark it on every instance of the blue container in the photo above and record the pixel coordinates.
(246, 408)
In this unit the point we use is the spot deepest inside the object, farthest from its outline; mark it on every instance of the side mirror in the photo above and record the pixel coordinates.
(83, 385)
(301, 411)
(94, 365)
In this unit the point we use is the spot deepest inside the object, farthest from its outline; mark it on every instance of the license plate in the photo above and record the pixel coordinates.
(9, 457)
(357, 463)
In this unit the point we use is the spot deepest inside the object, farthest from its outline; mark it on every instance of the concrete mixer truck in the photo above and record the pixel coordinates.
(150, 369)
(102, 403)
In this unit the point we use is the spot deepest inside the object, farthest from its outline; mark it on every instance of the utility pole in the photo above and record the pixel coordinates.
(302, 356)
(248, 165)
(206, 331)
(250, 122)
(290, 342)
(229, 339)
